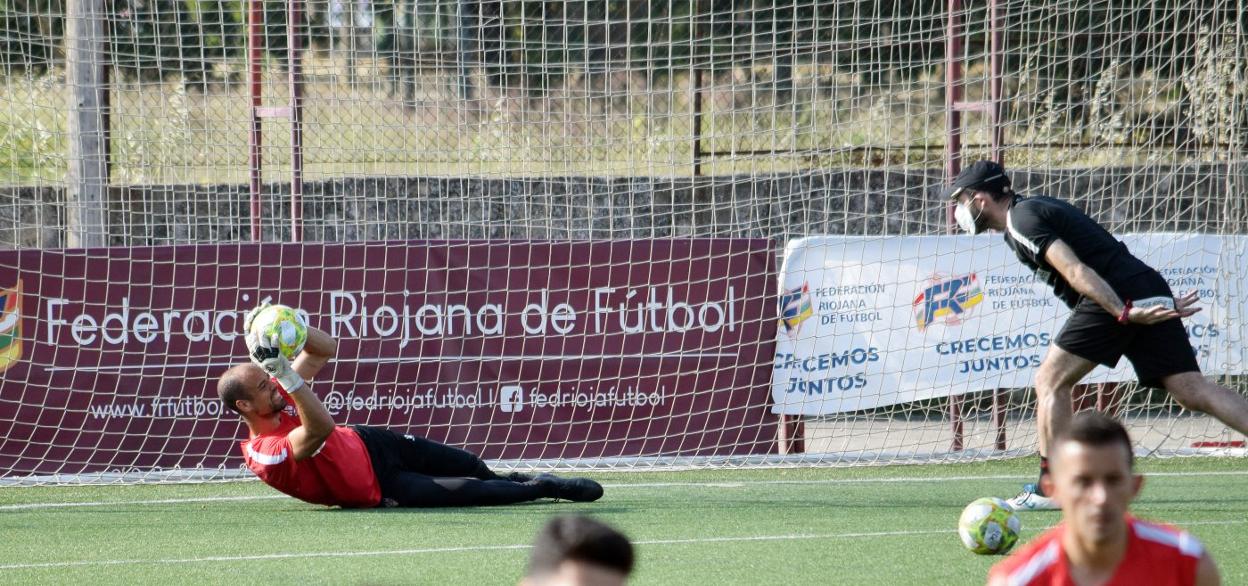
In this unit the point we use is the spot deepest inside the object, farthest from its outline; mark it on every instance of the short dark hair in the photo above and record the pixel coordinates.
(580, 538)
(1093, 428)
(230, 388)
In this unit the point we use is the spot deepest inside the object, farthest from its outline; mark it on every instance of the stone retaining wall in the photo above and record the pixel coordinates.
(1203, 198)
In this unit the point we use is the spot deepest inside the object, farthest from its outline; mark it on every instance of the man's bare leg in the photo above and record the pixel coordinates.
(1055, 380)
(1195, 392)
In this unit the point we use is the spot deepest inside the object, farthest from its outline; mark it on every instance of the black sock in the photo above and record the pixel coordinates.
(1044, 471)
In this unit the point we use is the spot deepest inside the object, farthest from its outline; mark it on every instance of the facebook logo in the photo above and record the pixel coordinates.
(511, 399)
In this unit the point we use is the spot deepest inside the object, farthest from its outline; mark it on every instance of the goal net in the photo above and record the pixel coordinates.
(593, 234)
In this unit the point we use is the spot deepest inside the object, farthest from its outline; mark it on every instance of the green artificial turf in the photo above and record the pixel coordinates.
(882, 525)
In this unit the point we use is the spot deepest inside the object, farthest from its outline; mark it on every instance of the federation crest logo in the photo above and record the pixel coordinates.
(795, 308)
(946, 299)
(10, 326)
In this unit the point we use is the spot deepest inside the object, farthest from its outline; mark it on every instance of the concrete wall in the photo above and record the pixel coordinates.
(1208, 198)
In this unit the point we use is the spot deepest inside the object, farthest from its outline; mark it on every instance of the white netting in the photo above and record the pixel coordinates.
(620, 128)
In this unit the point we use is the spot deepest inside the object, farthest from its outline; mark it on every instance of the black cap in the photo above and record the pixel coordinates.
(981, 175)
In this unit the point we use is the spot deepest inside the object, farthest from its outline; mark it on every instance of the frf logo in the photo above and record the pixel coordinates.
(795, 308)
(511, 399)
(10, 326)
(948, 299)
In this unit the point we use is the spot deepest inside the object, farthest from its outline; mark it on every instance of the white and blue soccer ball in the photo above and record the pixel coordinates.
(989, 526)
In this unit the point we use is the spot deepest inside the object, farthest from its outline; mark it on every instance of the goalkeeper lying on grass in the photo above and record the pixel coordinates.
(307, 456)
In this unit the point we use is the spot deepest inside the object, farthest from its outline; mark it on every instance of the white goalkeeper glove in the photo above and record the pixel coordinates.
(271, 360)
(251, 339)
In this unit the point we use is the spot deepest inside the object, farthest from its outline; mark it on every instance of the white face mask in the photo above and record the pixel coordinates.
(966, 221)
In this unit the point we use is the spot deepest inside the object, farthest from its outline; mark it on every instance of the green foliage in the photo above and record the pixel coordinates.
(148, 40)
(31, 150)
(151, 39)
(31, 33)
(535, 43)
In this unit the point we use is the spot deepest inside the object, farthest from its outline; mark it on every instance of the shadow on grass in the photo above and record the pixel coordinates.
(524, 509)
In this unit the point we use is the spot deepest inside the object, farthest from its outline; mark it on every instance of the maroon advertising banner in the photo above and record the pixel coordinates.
(512, 349)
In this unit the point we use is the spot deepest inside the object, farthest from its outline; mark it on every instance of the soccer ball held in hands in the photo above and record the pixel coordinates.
(281, 327)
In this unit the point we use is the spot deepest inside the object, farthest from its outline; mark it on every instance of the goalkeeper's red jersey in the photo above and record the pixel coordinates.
(340, 473)
(1159, 555)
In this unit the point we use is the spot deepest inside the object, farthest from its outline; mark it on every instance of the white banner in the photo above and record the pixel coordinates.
(872, 321)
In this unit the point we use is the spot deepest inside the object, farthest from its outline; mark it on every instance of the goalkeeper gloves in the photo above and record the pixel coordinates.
(271, 360)
(268, 356)
(251, 339)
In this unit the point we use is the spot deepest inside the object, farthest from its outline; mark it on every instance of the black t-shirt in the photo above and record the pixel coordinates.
(1033, 223)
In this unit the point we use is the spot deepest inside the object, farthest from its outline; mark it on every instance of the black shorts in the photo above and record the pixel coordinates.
(394, 453)
(1156, 351)
(416, 472)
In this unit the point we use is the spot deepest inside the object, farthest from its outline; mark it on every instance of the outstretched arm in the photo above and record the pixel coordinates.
(1091, 285)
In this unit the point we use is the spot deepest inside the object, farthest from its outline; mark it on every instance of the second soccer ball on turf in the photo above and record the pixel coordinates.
(989, 526)
(282, 325)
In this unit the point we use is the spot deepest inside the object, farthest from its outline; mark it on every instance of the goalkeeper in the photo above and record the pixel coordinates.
(310, 458)
(1119, 307)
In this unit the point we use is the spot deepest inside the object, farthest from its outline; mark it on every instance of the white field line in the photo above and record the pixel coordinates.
(485, 548)
(900, 479)
(207, 499)
(621, 486)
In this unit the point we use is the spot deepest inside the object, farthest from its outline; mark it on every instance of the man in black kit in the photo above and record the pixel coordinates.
(1119, 306)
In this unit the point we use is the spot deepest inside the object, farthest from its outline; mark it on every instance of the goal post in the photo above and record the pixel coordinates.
(605, 235)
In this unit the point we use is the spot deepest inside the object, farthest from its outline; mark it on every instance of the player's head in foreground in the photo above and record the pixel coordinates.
(1092, 474)
(579, 551)
(983, 194)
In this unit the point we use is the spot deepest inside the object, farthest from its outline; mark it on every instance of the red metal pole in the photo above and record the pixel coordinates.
(792, 435)
(1107, 398)
(953, 156)
(998, 417)
(953, 95)
(697, 122)
(995, 58)
(255, 14)
(695, 80)
(294, 40)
